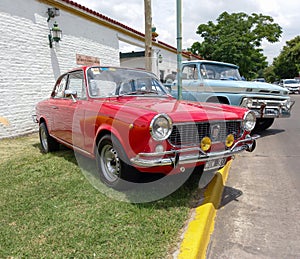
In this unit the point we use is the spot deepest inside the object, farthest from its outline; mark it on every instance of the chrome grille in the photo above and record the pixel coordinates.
(191, 134)
(256, 103)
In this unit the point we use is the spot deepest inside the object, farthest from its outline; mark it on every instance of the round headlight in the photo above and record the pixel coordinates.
(288, 104)
(161, 127)
(247, 102)
(205, 144)
(249, 121)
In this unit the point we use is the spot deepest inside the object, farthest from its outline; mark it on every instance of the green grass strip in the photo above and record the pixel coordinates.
(49, 210)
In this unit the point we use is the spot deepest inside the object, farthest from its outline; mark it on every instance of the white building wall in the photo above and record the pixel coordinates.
(168, 63)
(29, 67)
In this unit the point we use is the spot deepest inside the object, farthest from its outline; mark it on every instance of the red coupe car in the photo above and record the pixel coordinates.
(127, 121)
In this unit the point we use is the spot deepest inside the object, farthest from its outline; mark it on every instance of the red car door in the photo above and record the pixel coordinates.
(68, 110)
(55, 125)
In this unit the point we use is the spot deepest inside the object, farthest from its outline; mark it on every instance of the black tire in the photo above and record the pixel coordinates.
(48, 143)
(263, 124)
(113, 165)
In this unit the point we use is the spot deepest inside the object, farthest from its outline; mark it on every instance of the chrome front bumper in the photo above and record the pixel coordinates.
(269, 108)
(191, 155)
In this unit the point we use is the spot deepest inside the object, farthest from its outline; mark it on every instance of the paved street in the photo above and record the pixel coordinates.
(260, 212)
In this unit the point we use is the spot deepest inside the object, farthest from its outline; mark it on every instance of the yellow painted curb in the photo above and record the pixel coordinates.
(196, 238)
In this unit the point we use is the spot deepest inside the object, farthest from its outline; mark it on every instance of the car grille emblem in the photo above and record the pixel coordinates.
(214, 131)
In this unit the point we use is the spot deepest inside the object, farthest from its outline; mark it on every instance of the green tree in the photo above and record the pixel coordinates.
(269, 74)
(287, 64)
(237, 38)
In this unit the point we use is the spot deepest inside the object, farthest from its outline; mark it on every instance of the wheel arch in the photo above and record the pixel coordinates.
(99, 135)
(41, 120)
(218, 99)
(44, 120)
(106, 131)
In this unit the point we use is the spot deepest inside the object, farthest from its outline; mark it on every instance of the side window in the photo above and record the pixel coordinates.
(76, 84)
(60, 88)
(208, 72)
(190, 72)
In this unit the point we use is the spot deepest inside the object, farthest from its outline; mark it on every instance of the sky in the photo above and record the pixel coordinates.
(286, 13)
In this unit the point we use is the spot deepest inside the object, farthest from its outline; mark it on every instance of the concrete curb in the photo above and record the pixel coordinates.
(197, 235)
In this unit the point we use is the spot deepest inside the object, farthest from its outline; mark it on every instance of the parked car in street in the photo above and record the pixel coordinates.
(292, 85)
(262, 80)
(127, 121)
(212, 81)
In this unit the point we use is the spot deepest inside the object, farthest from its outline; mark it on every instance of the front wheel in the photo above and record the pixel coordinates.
(48, 143)
(113, 164)
(263, 124)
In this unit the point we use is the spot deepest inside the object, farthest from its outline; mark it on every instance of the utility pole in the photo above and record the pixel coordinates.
(179, 49)
(148, 35)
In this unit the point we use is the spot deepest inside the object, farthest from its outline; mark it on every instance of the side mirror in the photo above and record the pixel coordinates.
(71, 93)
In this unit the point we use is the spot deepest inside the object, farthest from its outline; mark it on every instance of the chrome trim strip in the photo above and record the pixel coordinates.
(210, 122)
(75, 148)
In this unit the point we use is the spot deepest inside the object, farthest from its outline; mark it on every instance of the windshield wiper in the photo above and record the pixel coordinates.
(142, 92)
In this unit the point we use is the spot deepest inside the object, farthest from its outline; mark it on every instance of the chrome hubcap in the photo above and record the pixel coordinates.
(44, 139)
(110, 163)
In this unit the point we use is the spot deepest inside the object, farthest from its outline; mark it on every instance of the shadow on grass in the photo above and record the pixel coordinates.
(63, 152)
(152, 189)
(188, 194)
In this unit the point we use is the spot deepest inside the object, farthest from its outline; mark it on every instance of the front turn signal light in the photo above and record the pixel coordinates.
(229, 140)
(205, 143)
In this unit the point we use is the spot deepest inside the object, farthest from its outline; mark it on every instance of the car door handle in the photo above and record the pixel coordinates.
(54, 107)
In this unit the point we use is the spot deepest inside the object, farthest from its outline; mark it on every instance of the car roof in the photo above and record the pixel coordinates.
(84, 68)
(210, 62)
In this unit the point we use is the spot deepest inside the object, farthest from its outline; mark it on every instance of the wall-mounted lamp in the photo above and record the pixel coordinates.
(52, 12)
(55, 34)
(153, 31)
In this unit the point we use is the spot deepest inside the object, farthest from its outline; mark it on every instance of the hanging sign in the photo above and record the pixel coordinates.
(87, 60)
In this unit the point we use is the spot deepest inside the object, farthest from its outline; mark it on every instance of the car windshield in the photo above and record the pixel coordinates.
(219, 72)
(291, 81)
(107, 82)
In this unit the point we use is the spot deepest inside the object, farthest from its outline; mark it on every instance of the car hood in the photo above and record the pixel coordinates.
(179, 111)
(246, 86)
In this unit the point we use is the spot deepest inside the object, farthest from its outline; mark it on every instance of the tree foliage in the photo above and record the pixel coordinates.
(237, 38)
(269, 74)
(287, 64)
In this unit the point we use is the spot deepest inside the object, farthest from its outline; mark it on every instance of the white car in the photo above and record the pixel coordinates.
(291, 84)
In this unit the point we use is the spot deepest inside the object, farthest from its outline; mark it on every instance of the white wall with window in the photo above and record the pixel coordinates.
(29, 67)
